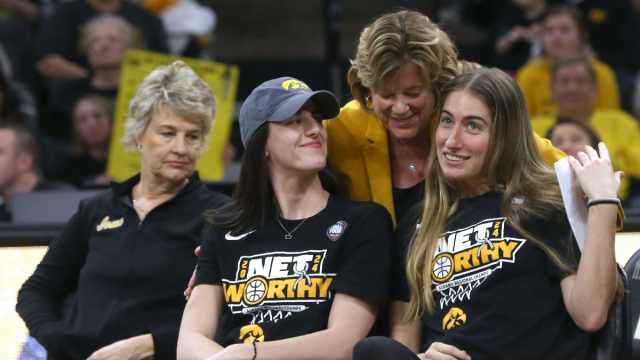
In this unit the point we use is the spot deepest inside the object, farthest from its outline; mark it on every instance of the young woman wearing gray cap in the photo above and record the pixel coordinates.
(289, 270)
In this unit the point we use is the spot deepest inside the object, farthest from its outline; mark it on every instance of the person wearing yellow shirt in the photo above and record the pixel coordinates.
(573, 88)
(564, 36)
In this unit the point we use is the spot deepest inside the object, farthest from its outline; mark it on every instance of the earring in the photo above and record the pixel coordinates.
(367, 101)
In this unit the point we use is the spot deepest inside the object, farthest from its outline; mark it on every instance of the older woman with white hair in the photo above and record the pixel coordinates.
(110, 286)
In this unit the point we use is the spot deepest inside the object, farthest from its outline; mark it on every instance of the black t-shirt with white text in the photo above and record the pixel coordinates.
(497, 295)
(276, 288)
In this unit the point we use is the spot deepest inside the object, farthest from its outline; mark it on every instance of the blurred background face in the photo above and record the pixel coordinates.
(92, 123)
(106, 45)
(561, 37)
(573, 89)
(570, 138)
(404, 103)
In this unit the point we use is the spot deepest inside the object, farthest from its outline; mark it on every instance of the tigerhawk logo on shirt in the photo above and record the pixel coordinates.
(464, 258)
(273, 286)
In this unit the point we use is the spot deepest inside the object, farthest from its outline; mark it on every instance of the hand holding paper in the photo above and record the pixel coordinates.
(595, 173)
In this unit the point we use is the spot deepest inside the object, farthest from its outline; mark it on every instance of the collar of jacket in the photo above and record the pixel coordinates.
(124, 188)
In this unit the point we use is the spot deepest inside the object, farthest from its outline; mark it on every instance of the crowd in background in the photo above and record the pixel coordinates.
(60, 64)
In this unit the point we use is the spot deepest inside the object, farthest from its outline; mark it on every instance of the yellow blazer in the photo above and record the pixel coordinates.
(359, 149)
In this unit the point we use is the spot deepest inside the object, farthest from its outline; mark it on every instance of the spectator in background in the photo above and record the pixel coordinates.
(60, 38)
(564, 36)
(107, 38)
(571, 136)
(573, 88)
(518, 31)
(92, 119)
(19, 165)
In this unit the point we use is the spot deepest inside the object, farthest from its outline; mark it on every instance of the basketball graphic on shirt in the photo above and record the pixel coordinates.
(251, 333)
(455, 317)
(255, 290)
(442, 267)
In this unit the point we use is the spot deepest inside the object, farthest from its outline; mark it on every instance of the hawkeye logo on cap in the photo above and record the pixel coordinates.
(293, 84)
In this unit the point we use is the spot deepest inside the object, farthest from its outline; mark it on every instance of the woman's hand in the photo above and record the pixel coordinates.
(442, 351)
(595, 173)
(135, 348)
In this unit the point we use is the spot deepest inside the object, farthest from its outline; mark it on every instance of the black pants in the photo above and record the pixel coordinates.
(382, 348)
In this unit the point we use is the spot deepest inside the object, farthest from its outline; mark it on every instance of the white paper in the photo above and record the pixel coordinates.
(574, 204)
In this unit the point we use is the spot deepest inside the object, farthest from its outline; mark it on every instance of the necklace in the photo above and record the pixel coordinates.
(289, 234)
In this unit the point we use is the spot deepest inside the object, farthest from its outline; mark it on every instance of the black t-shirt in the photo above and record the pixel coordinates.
(497, 295)
(404, 200)
(277, 288)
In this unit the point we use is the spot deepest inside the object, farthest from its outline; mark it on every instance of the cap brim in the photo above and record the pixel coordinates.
(326, 104)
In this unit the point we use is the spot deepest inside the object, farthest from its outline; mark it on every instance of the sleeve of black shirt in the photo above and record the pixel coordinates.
(56, 35)
(208, 270)
(364, 272)
(41, 296)
(555, 232)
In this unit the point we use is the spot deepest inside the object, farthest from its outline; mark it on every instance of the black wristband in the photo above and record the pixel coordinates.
(255, 351)
(610, 201)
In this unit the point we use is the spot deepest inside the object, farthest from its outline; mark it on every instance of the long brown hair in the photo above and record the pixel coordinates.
(513, 165)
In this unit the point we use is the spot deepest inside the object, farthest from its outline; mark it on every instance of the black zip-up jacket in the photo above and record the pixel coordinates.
(109, 276)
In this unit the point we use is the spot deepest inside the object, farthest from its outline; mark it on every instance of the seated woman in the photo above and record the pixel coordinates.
(493, 269)
(110, 286)
(289, 270)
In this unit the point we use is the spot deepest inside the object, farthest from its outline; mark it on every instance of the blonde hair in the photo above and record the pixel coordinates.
(395, 39)
(513, 165)
(175, 87)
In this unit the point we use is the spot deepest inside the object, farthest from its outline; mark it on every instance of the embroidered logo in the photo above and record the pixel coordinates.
(107, 224)
(335, 231)
(293, 84)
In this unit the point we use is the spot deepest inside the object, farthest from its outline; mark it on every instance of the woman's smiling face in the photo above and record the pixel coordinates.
(404, 103)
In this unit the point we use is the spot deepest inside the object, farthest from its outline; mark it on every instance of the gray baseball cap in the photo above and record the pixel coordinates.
(279, 99)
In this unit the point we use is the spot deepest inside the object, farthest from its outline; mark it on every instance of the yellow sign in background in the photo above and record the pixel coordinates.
(223, 80)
